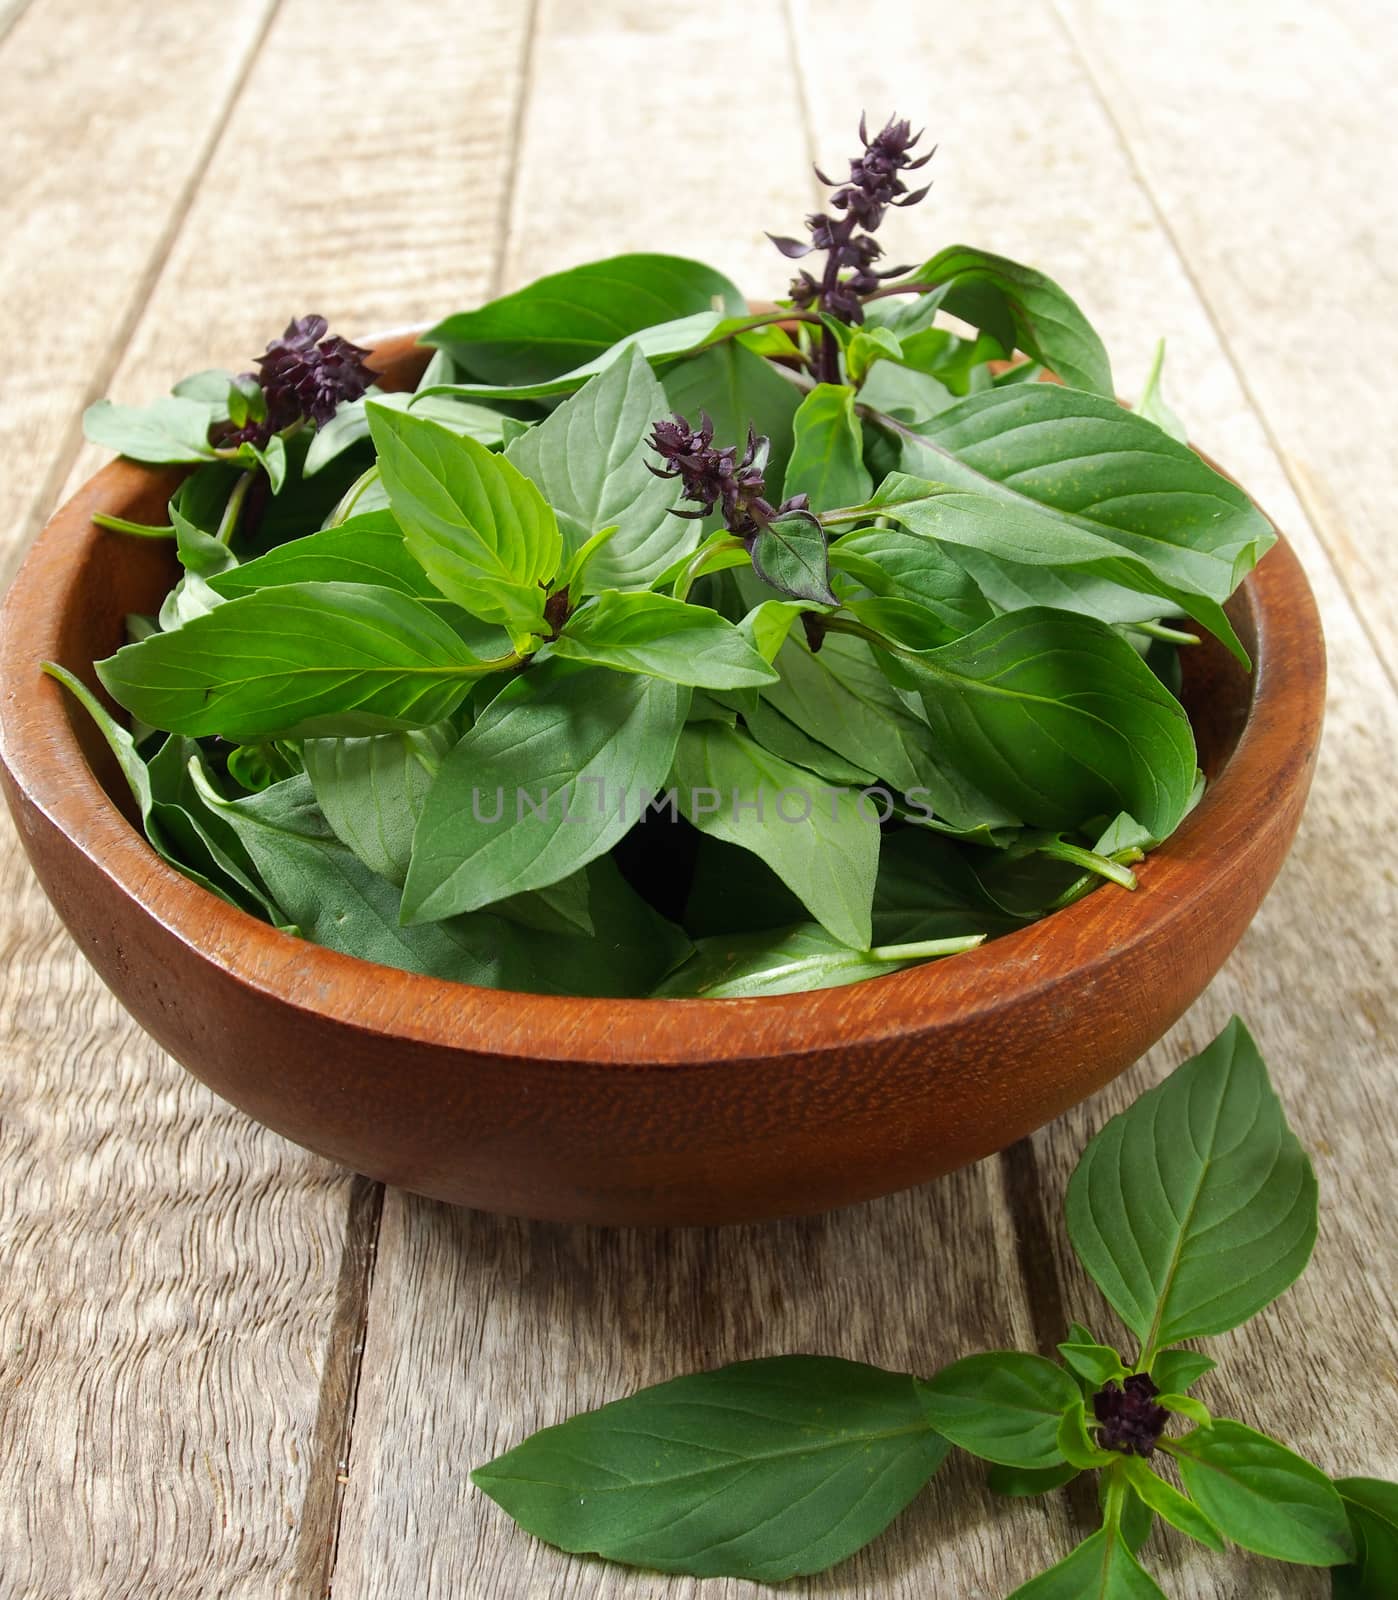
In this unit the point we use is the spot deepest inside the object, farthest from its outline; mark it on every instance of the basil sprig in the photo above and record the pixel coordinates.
(1191, 1211)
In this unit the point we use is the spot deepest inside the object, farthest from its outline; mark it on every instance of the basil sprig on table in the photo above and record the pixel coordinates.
(1191, 1212)
(641, 593)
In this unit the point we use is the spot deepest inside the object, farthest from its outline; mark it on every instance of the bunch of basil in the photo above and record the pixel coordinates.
(456, 681)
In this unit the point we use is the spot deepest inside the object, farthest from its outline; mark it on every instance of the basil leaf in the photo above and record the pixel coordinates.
(783, 738)
(589, 458)
(171, 429)
(299, 660)
(927, 889)
(1372, 1506)
(791, 961)
(1262, 1496)
(1196, 1207)
(1021, 309)
(763, 1470)
(1004, 1406)
(768, 624)
(822, 843)
(481, 530)
(1152, 405)
(651, 633)
(552, 774)
(1174, 1371)
(1058, 719)
(894, 564)
(790, 554)
(1169, 1504)
(1024, 1481)
(827, 456)
(372, 790)
(1075, 1444)
(737, 389)
(1137, 1518)
(842, 698)
(1098, 1363)
(366, 549)
(339, 903)
(567, 318)
(350, 424)
(1101, 1568)
(211, 388)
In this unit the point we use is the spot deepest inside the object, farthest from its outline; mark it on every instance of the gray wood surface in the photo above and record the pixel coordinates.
(227, 1368)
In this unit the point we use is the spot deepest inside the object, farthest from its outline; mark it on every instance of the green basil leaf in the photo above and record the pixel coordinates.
(1101, 1568)
(1169, 1504)
(366, 549)
(1024, 1481)
(783, 738)
(567, 318)
(1372, 1506)
(481, 530)
(827, 456)
(894, 564)
(1058, 719)
(350, 424)
(1152, 402)
(651, 633)
(211, 388)
(822, 843)
(927, 889)
(1098, 1363)
(792, 960)
(1174, 1371)
(764, 1470)
(1186, 1406)
(1262, 1496)
(554, 772)
(790, 554)
(1020, 309)
(737, 389)
(909, 396)
(589, 458)
(1075, 1444)
(372, 790)
(562, 907)
(768, 624)
(1197, 1206)
(300, 660)
(1004, 1406)
(171, 429)
(1137, 1518)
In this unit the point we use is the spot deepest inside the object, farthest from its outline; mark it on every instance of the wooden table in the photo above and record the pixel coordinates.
(229, 1369)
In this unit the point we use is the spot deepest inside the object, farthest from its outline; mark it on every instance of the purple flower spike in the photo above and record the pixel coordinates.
(304, 375)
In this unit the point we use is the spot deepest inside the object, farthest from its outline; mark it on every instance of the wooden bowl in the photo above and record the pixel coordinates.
(638, 1111)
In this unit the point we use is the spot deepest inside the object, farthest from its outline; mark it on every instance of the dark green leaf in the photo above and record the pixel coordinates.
(171, 429)
(1004, 1406)
(1025, 1481)
(1196, 1207)
(567, 318)
(651, 633)
(827, 457)
(783, 738)
(896, 564)
(928, 889)
(1101, 1568)
(1174, 1371)
(1372, 1506)
(790, 554)
(1169, 1504)
(336, 659)
(552, 774)
(1262, 1496)
(1020, 309)
(481, 530)
(763, 1470)
(589, 458)
(1075, 1444)
(1059, 720)
(792, 960)
(822, 843)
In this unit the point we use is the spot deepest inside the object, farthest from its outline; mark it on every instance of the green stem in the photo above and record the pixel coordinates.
(925, 949)
(1158, 630)
(351, 496)
(142, 530)
(231, 512)
(1115, 1502)
(1104, 866)
(694, 568)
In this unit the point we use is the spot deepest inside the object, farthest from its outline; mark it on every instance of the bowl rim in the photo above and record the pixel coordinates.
(39, 747)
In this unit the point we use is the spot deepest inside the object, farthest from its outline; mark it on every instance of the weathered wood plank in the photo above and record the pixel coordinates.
(1030, 166)
(106, 122)
(482, 1329)
(1277, 187)
(185, 1292)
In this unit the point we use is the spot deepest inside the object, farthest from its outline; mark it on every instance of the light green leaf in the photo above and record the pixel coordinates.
(1169, 1504)
(350, 424)
(822, 843)
(827, 457)
(651, 633)
(171, 429)
(783, 738)
(1098, 1363)
(1174, 1371)
(567, 318)
(1101, 1568)
(1262, 1496)
(763, 1470)
(1057, 719)
(366, 549)
(553, 772)
(1196, 1207)
(304, 659)
(589, 458)
(1004, 1406)
(481, 530)
(768, 624)
(1152, 403)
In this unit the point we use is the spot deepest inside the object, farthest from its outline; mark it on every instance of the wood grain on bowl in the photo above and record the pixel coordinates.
(640, 1111)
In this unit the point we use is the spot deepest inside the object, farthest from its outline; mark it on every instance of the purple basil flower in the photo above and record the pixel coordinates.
(715, 477)
(1130, 1420)
(304, 375)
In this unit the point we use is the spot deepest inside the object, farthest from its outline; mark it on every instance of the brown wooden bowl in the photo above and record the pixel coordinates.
(638, 1111)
